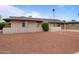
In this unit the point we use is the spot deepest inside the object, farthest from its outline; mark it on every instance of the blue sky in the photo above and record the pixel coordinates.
(63, 12)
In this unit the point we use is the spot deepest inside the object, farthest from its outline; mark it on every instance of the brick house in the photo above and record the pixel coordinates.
(29, 24)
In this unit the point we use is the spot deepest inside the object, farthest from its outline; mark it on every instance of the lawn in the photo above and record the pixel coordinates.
(40, 42)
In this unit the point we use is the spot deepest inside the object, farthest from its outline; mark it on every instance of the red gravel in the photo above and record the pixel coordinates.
(40, 42)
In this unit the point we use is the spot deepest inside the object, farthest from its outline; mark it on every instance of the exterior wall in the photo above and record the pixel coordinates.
(56, 25)
(20, 30)
(55, 29)
(16, 24)
(31, 26)
(16, 27)
(51, 25)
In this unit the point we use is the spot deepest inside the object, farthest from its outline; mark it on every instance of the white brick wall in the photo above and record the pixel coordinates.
(20, 30)
(51, 29)
(16, 27)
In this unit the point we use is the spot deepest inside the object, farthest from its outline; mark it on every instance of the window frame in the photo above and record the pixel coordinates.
(23, 24)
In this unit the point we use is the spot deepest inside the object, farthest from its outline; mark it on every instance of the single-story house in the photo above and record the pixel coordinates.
(29, 24)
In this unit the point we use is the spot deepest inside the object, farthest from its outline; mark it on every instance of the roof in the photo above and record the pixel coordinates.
(30, 19)
(73, 22)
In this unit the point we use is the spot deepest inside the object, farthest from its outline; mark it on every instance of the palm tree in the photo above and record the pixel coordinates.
(73, 20)
(53, 13)
(78, 14)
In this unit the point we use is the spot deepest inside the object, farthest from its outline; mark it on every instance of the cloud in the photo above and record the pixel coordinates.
(34, 14)
(6, 11)
(61, 6)
(73, 8)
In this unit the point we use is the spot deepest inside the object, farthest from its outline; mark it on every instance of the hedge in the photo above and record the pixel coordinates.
(45, 26)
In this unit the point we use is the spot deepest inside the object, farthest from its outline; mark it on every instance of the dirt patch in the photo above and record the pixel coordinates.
(40, 42)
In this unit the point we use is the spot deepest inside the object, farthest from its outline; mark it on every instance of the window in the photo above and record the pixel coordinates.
(58, 25)
(72, 24)
(23, 24)
(38, 24)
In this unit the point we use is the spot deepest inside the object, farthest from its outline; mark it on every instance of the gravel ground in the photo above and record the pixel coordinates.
(40, 42)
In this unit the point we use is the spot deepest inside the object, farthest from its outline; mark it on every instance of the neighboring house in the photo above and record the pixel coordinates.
(72, 25)
(29, 24)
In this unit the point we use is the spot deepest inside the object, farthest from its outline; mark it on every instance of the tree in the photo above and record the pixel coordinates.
(0, 17)
(2, 24)
(78, 14)
(53, 13)
(45, 26)
(64, 20)
(73, 20)
(30, 16)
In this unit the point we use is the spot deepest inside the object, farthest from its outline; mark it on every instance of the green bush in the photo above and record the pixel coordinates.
(45, 26)
(2, 25)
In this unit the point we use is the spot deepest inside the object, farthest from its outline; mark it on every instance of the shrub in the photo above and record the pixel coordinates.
(2, 25)
(45, 26)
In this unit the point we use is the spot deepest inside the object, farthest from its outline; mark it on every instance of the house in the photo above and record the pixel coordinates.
(29, 24)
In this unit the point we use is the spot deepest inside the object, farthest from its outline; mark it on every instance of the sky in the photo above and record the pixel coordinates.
(62, 12)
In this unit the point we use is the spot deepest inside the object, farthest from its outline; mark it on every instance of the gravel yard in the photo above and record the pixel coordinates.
(40, 42)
